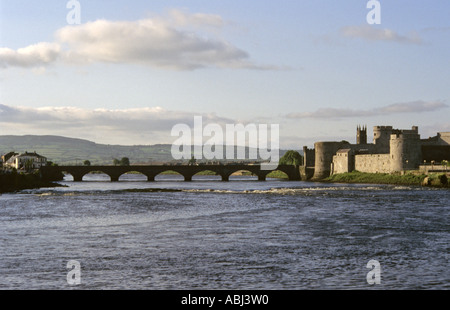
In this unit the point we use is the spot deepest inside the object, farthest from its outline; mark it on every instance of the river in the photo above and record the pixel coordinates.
(209, 234)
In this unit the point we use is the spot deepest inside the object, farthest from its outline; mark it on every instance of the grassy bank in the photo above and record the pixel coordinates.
(438, 180)
(277, 175)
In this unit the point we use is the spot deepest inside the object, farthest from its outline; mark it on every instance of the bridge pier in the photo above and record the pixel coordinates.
(77, 178)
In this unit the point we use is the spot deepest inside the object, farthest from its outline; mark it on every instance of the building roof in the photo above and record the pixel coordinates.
(31, 154)
(344, 150)
(12, 158)
(8, 156)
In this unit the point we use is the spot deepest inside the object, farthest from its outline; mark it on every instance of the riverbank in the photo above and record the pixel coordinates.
(434, 179)
(13, 181)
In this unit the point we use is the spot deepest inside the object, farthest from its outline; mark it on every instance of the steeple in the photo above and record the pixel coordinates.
(361, 134)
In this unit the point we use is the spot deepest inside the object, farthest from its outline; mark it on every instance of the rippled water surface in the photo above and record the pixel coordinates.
(209, 234)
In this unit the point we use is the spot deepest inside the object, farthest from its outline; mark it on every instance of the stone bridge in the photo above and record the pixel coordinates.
(187, 171)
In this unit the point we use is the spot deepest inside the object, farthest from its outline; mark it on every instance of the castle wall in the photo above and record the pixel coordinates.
(444, 138)
(373, 163)
(436, 153)
(309, 157)
(343, 162)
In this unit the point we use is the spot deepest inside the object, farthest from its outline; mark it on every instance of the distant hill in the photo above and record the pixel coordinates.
(65, 151)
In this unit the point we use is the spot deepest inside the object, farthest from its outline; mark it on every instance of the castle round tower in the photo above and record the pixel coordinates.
(324, 152)
(405, 151)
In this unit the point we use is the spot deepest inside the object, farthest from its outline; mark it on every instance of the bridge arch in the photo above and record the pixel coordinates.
(169, 174)
(78, 173)
(96, 175)
(67, 176)
(133, 175)
(243, 172)
(278, 174)
(206, 174)
(251, 172)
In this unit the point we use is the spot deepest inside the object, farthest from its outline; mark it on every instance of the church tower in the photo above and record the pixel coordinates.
(361, 135)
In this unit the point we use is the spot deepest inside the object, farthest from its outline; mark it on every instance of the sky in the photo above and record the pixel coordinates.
(126, 72)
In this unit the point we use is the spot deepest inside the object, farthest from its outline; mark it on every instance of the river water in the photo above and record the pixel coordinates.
(208, 234)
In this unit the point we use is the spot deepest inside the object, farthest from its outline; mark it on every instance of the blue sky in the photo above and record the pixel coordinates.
(133, 69)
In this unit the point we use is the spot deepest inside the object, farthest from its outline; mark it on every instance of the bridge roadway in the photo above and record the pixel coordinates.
(151, 171)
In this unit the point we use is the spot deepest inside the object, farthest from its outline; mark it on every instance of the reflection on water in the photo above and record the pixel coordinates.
(209, 234)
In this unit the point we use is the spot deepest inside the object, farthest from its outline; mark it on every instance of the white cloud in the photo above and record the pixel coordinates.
(184, 18)
(371, 33)
(170, 42)
(145, 126)
(418, 106)
(122, 126)
(31, 56)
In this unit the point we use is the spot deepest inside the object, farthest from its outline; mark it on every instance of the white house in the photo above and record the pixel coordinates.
(35, 161)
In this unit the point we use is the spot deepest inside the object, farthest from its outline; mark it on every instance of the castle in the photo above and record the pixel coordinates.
(392, 150)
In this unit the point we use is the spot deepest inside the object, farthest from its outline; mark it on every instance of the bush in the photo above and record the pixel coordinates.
(291, 158)
(438, 180)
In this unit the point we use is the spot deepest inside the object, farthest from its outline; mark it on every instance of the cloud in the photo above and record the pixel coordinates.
(371, 33)
(184, 18)
(179, 41)
(121, 126)
(31, 56)
(418, 106)
(149, 118)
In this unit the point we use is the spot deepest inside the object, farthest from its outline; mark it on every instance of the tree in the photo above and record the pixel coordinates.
(29, 165)
(125, 161)
(192, 161)
(116, 162)
(87, 163)
(291, 158)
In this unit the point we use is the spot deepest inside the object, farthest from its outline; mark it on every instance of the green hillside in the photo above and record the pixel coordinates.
(63, 150)
(67, 151)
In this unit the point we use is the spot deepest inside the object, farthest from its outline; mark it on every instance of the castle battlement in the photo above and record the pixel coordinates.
(382, 127)
(408, 134)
